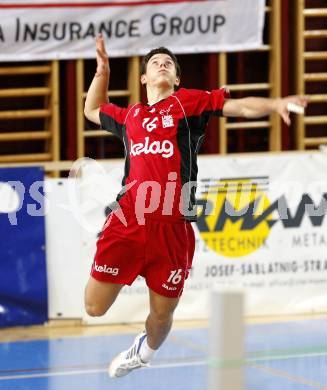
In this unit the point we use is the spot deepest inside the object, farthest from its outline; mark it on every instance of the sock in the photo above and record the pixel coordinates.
(146, 353)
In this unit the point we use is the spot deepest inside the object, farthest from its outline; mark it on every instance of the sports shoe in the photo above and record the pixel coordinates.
(128, 360)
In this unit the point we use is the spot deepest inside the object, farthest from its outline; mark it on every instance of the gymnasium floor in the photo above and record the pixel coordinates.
(280, 356)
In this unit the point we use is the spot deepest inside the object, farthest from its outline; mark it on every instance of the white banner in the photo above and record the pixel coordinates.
(66, 275)
(45, 30)
(262, 228)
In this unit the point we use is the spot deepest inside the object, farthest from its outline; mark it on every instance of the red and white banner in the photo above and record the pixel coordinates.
(45, 30)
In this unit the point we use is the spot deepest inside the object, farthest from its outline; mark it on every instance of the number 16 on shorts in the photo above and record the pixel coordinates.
(175, 276)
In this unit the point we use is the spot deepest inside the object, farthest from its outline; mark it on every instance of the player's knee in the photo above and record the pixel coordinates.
(94, 310)
(162, 317)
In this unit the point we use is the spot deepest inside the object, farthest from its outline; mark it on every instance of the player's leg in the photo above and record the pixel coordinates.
(160, 319)
(165, 278)
(99, 296)
(158, 325)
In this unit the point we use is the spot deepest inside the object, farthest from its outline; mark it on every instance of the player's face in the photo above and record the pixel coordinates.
(160, 72)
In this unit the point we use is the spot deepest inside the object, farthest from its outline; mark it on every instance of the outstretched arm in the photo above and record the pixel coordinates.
(256, 107)
(97, 93)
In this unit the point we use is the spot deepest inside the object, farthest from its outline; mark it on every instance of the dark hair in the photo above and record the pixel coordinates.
(160, 50)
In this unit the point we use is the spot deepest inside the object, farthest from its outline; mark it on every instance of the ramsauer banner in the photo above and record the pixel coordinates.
(261, 229)
(46, 30)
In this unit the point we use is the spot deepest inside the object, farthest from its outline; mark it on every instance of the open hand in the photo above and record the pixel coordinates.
(101, 57)
(281, 106)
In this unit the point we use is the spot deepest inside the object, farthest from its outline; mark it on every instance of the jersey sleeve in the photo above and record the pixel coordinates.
(198, 106)
(112, 118)
(207, 103)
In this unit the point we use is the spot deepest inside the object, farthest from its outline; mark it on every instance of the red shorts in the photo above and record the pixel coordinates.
(160, 251)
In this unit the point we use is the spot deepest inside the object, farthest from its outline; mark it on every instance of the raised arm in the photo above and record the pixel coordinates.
(97, 93)
(256, 107)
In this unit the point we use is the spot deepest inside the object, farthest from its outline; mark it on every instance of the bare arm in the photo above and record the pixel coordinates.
(256, 107)
(97, 93)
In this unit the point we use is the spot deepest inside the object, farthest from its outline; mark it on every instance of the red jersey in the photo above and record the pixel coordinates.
(161, 143)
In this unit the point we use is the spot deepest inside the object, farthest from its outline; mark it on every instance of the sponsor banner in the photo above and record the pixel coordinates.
(261, 229)
(23, 280)
(46, 30)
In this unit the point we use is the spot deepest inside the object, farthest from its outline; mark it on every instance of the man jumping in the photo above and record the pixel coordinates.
(161, 141)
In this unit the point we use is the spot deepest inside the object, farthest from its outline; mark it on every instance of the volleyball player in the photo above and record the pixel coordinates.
(148, 231)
